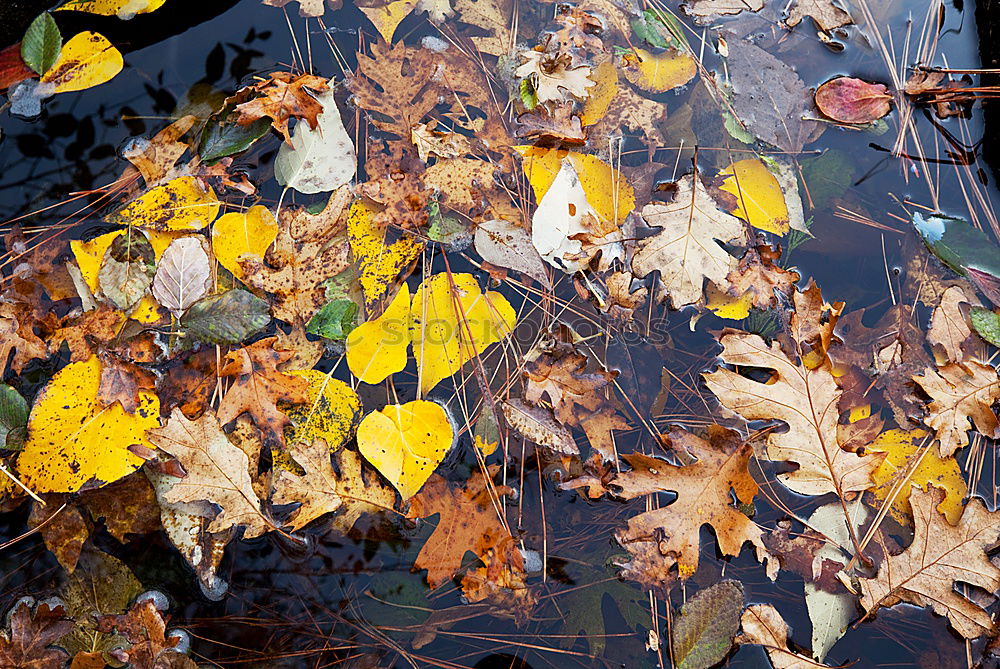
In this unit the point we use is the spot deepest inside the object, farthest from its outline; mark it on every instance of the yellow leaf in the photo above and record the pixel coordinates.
(859, 413)
(243, 233)
(73, 441)
(123, 9)
(331, 412)
(605, 76)
(179, 204)
(406, 443)
(759, 200)
(388, 17)
(659, 72)
(90, 255)
(725, 305)
(450, 325)
(901, 447)
(607, 190)
(380, 263)
(377, 348)
(487, 448)
(86, 60)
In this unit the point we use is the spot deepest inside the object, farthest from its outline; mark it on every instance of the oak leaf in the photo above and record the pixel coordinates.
(759, 274)
(360, 490)
(824, 12)
(145, 629)
(393, 82)
(670, 535)
(217, 472)
(32, 633)
(961, 393)
(950, 325)
(17, 335)
(764, 626)
(281, 97)
(941, 554)
(553, 73)
(315, 492)
(259, 385)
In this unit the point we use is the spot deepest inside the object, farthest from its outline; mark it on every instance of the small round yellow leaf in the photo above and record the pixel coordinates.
(179, 204)
(86, 60)
(759, 200)
(243, 233)
(123, 9)
(724, 305)
(331, 412)
(386, 18)
(377, 348)
(73, 441)
(659, 72)
(406, 443)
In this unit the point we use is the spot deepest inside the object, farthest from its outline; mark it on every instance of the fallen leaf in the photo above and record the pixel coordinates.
(707, 11)
(282, 96)
(685, 250)
(764, 626)
(539, 425)
(217, 472)
(961, 393)
(659, 539)
(179, 204)
(87, 59)
(13, 418)
(758, 199)
(127, 271)
(386, 18)
(41, 43)
(850, 100)
(331, 411)
(949, 327)
(236, 234)
(183, 275)
(30, 641)
(759, 275)
(63, 529)
(940, 555)
(704, 631)
(320, 157)
(825, 13)
(145, 629)
(377, 348)
(73, 441)
(659, 72)
(552, 73)
(406, 442)
(307, 8)
(360, 491)
(226, 318)
(986, 324)
(505, 244)
(381, 258)
(315, 491)
(123, 9)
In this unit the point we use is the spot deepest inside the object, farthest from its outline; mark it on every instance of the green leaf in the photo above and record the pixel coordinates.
(828, 176)
(659, 29)
(334, 320)
(957, 244)
(227, 318)
(707, 625)
(987, 324)
(13, 418)
(41, 44)
(221, 139)
(528, 95)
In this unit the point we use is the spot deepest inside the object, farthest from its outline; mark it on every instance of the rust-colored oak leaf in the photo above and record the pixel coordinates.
(281, 97)
(17, 335)
(258, 386)
(145, 629)
(659, 539)
(315, 491)
(759, 273)
(961, 393)
(121, 382)
(940, 555)
(28, 643)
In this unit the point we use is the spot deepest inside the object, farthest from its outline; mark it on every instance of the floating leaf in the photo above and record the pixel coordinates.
(227, 318)
(659, 72)
(850, 100)
(377, 348)
(316, 491)
(507, 245)
(380, 259)
(331, 411)
(406, 442)
(183, 275)
(986, 324)
(88, 59)
(704, 631)
(128, 269)
(320, 158)
(757, 195)
(13, 418)
(179, 204)
(958, 244)
(386, 18)
(73, 441)
(123, 9)
(220, 138)
(334, 320)
(243, 233)
(41, 44)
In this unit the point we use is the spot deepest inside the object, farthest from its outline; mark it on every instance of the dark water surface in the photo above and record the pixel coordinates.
(339, 597)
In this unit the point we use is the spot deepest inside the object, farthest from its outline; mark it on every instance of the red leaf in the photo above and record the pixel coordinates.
(850, 100)
(12, 68)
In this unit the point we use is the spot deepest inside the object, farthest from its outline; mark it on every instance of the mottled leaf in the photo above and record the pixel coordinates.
(226, 318)
(704, 631)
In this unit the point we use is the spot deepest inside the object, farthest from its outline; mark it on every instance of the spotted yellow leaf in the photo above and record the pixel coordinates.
(331, 412)
(380, 261)
(759, 199)
(725, 305)
(123, 9)
(406, 443)
(659, 72)
(241, 233)
(179, 204)
(88, 59)
(74, 442)
(386, 18)
(602, 94)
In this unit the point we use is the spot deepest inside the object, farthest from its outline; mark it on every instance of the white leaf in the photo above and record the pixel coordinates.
(321, 159)
(183, 275)
(505, 244)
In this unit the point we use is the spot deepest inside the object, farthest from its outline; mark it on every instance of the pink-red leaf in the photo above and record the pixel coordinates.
(850, 100)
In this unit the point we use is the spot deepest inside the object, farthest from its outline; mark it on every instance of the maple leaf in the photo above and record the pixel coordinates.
(17, 335)
(217, 472)
(961, 393)
(26, 646)
(468, 522)
(759, 274)
(661, 538)
(145, 629)
(807, 401)
(308, 250)
(259, 386)
(685, 250)
(940, 555)
(281, 97)
(316, 491)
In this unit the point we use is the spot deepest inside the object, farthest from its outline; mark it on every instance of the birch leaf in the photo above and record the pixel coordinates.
(88, 59)
(183, 276)
(320, 158)
(237, 234)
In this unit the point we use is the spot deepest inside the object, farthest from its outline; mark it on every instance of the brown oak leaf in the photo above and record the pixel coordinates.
(360, 490)
(121, 382)
(759, 273)
(145, 629)
(281, 97)
(17, 335)
(27, 644)
(315, 492)
(961, 393)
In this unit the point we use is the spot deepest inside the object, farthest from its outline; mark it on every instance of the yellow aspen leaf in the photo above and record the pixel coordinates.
(331, 411)
(406, 443)
(901, 447)
(88, 59)
(123, 9)
(602, 94)
(858, 413)
(243, 233)
(380, 262)
(451, 322)
(377, 348)
(608, 192)
(725, 305)
(759, 200)
(179, 204)
(659, 72)
(388, 17)
(90, 255)
(487, 448)
(73, 441)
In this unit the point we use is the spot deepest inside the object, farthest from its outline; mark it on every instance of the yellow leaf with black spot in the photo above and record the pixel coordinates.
(759, 199)
(377, 348)
(386, 18)
(902, 447)
(724, 305)
(86, 60)
(406, 443)
(245, 233)
(597, 104)
(123, 9)
(659, 72)
(73, 441)
(179, 204)
(380, 260)
(330, 413)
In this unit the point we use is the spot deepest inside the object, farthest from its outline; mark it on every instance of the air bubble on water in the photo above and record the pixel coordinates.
(159, 600)
(183, 644)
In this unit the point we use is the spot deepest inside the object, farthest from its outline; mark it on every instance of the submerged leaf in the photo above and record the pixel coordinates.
(986, 324)
(226, 318)
(958, 244)
(704, 631)
(13, 418)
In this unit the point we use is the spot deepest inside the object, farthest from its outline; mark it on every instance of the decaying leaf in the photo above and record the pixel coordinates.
(381, 253)
(315, 491)
(704, 631)
(508, 245)
(237, 234)
(331, 411)
(850, 100)
(29, 643)
(320, 157)
(827, 15)
(961, 393)
(539, 425)
(707, 11)
(764, 626)
(949, 326)
(179, 204)
(554, 75)
(86, 60)
(283, 96)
